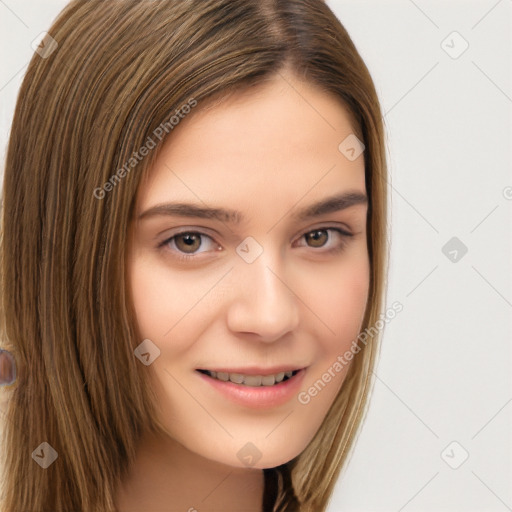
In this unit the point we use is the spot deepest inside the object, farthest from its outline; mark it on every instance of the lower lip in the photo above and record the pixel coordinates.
(261, 397)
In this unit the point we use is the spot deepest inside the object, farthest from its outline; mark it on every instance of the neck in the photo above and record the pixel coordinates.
(166, 474)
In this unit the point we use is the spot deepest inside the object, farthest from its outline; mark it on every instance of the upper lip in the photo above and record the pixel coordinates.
(255, 370)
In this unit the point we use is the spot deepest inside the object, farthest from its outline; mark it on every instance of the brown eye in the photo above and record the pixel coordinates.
(188, 245)
(331, 240)
(317, 238)
(188, 242)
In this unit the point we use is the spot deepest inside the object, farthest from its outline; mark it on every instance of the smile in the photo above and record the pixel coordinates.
(251, 380)
(252, 389)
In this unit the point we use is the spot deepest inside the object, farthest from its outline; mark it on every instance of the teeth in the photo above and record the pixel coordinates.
(237, 378)
(268, 380)
(250, 380)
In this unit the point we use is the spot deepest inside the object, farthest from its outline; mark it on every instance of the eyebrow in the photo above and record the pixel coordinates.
(329, 205)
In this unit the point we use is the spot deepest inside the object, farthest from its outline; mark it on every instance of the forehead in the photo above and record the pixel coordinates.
(275, 143)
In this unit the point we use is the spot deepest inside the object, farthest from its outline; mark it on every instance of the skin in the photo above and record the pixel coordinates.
(267, 153)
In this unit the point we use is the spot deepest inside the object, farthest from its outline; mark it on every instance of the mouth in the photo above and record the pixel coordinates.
(253, 381)
(252, 387)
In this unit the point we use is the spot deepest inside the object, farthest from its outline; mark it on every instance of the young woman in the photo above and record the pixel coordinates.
(193, 252)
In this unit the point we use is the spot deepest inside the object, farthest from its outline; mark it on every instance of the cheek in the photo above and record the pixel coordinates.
(150, 301)
(351, 300)
(341, 302)
(161, 298)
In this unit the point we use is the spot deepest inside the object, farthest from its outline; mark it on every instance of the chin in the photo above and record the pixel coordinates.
(256, 455)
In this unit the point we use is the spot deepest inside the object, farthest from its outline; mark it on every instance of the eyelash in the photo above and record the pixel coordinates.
(335, 250)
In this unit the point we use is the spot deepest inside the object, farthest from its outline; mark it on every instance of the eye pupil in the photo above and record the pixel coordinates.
(189, 240)
(318, 237)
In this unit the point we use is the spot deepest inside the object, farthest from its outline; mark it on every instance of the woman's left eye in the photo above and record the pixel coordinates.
(187, 243)
(319, 238)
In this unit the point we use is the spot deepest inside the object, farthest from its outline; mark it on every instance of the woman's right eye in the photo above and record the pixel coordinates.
(186, 244)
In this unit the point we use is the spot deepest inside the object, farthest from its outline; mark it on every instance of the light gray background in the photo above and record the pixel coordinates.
(445, 365)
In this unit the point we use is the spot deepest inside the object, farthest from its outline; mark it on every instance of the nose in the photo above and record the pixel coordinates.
(263, 302)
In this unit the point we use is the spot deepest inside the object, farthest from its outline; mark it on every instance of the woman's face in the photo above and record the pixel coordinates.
(278, 286)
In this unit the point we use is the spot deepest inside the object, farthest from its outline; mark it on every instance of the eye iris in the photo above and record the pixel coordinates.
(318, 237)
(189, 240)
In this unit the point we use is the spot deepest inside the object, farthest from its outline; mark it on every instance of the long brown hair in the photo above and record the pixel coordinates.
(114, 72)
